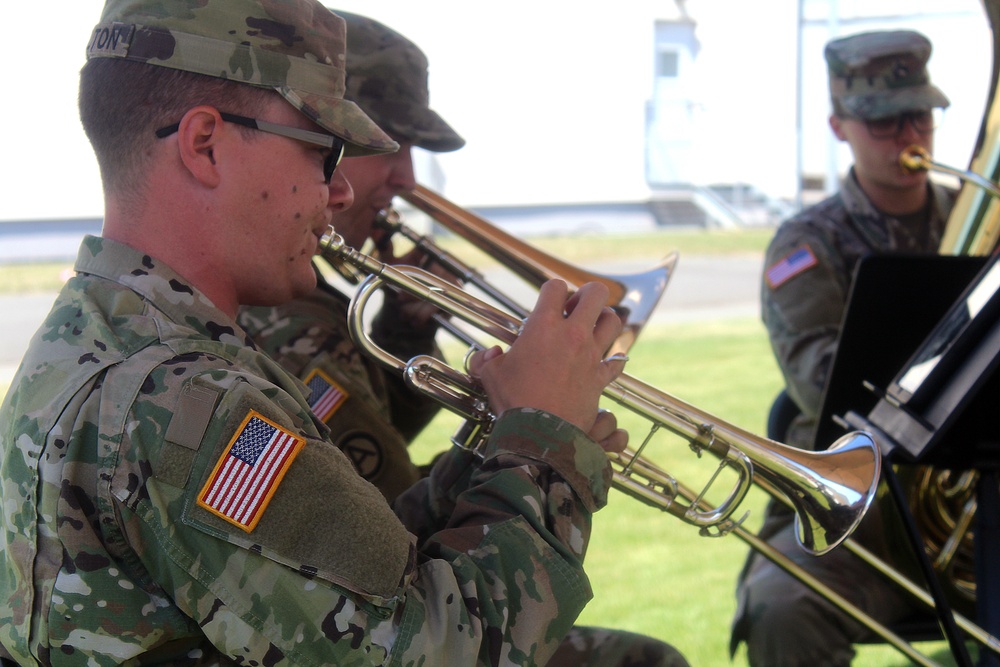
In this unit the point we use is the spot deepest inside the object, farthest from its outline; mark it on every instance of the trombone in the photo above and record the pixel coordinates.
(830, 490)
(632, 296)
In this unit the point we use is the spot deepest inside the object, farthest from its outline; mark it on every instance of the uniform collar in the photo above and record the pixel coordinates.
(160, 285)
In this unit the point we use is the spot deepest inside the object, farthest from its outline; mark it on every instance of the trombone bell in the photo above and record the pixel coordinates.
(632, 296)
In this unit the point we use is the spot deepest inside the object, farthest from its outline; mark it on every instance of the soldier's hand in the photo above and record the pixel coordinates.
(557, 363)
(607, 434)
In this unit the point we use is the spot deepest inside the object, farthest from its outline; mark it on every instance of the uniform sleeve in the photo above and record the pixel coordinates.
(516, 537)
(317, 570)
(803, 292)
(427, 505)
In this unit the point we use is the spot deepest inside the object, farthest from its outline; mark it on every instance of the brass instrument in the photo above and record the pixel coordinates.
(965, 234)
(632, 296)
(642, 479)
(942, 502)
(830, 491)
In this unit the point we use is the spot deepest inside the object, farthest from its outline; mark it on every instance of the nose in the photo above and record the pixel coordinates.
(908, 132)
(341, 192)
(402, 179)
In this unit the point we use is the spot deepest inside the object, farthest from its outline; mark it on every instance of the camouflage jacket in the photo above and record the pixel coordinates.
(809, 267)
(169, 497)
(371, 413)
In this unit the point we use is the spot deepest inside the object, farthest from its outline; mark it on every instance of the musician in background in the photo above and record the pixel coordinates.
(883, 101)
(374, 415)
(168, 495)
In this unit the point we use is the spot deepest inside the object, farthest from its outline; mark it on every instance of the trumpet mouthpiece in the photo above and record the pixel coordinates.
(331, 240)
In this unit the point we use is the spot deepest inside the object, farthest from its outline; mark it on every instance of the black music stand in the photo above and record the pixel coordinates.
(944, 392)
(894, 303)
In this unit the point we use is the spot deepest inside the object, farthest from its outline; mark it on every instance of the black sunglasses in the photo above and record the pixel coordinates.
(891, 126)
(331, 141)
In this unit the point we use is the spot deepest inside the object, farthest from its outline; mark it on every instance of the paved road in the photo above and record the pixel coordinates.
(701, 288)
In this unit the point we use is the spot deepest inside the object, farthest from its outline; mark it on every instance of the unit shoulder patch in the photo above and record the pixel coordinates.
(249, 471)
(364, 451)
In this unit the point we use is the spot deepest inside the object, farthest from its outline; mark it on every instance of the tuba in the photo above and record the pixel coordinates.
(942, 502)
(830, 490)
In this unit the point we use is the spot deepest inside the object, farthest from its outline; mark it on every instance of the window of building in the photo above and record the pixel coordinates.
(667, 64)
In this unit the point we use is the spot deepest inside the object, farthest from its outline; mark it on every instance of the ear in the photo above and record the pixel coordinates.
(198, 137)
(837, 127)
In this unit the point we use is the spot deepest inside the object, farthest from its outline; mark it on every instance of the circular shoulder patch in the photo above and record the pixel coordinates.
(364, 450)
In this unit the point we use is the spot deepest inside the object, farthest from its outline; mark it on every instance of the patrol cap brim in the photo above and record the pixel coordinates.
(345, 119)
(892, 102)
(422, 127)
(295, 47)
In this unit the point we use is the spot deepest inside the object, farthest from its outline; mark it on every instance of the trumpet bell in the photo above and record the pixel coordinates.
(832, 493)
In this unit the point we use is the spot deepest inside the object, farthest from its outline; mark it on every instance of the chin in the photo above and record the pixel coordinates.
(304, 286)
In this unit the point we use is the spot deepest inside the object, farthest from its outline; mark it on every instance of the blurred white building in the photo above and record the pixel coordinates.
(648, 111)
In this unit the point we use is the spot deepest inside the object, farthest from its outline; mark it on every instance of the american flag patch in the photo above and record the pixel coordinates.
(326, 394)
(790, 266)
(248, 474)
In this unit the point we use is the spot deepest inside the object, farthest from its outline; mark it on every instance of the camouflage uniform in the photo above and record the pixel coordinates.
(169, 497)
(803, 315)
(374, 415)
(135, 392)
(809, 267)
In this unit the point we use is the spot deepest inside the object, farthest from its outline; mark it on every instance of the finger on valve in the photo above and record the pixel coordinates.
(606, 433)
(556, 364)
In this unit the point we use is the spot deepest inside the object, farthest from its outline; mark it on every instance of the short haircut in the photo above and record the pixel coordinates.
(123, 103)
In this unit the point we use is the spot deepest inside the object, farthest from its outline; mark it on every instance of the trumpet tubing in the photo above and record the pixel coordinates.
(830, 491)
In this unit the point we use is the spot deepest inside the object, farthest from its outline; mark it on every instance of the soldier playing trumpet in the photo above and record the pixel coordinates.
(371, 414)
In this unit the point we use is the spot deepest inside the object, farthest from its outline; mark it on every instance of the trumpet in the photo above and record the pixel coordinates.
(830, 491)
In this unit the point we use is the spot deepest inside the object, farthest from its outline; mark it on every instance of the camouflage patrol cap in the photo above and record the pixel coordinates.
(879, 74)
(387, 77)
(295, 47)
